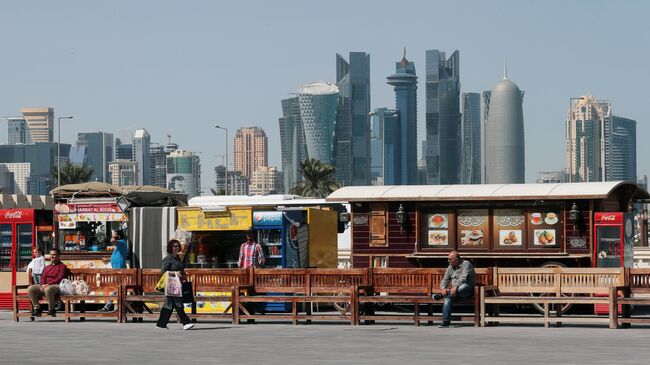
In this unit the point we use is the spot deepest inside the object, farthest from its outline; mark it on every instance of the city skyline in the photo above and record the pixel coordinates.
(167, 66)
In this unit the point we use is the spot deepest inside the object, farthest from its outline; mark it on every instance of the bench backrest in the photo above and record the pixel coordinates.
(104, 279)
(557, 280)
(280, 281)
(217, 280)
(417, 281)
(638, 280)
(148, 280)
(335, 281)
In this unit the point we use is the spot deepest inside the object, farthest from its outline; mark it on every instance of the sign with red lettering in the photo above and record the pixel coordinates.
(17, 214)
(87, 208)
(608, 217)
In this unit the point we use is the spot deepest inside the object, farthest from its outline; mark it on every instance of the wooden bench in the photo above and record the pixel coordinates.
(104, 285)
(136, 296)
(553, 286)
(414, 287)
(637, 293)
(295, 286)
(224, 282)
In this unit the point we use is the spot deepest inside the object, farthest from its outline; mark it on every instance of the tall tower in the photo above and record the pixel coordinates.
(250, 150)
(318, 103)
(352, 146)
(100, 150)
(504, 135)
(622, 159)
(470, 136)
(184, 173)
(587, 125)
(18, 131)
(404, 82)
(443, 117)
(292, 140)
(40, 122)
(141, 155)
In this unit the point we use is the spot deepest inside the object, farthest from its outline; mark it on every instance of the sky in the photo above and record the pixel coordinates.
(180, 67)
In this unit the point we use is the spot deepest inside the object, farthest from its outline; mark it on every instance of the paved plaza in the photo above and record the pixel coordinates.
(101, 342)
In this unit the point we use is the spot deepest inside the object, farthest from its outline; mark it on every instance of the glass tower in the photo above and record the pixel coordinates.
(292, 140)
(318, 104)
(471, 139)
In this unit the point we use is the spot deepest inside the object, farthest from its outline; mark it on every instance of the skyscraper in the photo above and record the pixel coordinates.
(621, 164)
(141, 155)
(292, 141)
(157, 165)
(470, 157)
(123, 151)
(404, 82)
(40, 122)
(318, 104)
(504, 135)
(443, 117)
(352, 134)
(99, 152)
(250, 150)
(18, 131)
(387, 152)
(587, 122)
(266, 180)
(123, 173)
(184, 173)
(237, 183)
(41, 157)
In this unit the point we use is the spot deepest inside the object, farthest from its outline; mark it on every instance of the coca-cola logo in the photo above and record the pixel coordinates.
(608, 217)
(14, 215)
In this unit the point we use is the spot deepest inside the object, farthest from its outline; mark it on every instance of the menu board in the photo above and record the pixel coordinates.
(509, 227)
(473, 228)
(437, 230)
(545, 228)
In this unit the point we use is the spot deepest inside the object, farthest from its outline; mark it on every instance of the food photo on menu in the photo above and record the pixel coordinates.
(438, 221)
(510, 237)
(438, 238)
(471, 237)
(544, 237)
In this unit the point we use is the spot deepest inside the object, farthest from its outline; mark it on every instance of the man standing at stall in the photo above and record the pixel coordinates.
(458, 282)
(250, 252)
(250, 256)
(49, 287)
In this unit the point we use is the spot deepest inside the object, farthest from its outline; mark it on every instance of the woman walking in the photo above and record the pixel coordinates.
(172, 262)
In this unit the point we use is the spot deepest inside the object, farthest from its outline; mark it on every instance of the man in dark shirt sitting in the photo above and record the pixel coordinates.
(49, 286)
(458, 282)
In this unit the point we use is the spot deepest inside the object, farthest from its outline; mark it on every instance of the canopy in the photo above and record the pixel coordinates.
(146, 195)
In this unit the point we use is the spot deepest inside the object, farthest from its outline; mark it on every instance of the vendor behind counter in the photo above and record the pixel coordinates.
(218, 249)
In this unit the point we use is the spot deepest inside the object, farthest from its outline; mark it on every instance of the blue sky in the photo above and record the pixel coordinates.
(179, 67)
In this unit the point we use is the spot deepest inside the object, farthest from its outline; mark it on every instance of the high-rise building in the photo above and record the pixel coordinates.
(443, 129)
(141, 155)
(20, 173)
(318, 104)
(18, 131)
(621, 162)
(123, 172)
(387, 156)
(504, 135)
(377, 147)
(184, 173)
(586, 127)
(266, 180)
(158, 165)
(99, 152)
(237, 183)
(551, 177)
(123, 151)
(352, 131)
(42, 157)
(250, 150)
(40, 122)
(404, 82)
(470, 137)
(292, 141)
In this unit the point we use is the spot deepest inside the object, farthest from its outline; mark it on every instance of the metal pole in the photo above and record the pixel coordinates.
(226, 190)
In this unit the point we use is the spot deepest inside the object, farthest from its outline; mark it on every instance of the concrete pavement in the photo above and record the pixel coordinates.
(100, 342)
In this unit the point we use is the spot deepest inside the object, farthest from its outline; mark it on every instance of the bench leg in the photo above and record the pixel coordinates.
(416, 314)
(430, 314)
(235, 306)
(546, 319)
(477, 308)
(66, 310)
(482, 310)
(613, 308)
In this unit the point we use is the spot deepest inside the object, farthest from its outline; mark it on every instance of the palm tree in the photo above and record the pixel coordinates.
(317, 179)
(73, 174)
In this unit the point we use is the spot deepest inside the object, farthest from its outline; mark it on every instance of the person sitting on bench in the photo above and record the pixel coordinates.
(49, 286)
(458, 282)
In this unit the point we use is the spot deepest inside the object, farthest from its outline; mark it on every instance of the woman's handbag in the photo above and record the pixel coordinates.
(188, 293)
(160, 286)
(173, 287)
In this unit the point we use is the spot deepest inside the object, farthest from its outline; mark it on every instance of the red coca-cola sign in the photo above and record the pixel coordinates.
(608, 218)
(17, 214)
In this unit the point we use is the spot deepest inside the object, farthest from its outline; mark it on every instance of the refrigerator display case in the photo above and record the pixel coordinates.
(613, 239)
(21, 230)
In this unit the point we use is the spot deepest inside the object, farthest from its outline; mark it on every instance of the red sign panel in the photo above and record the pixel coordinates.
(17, 214)
(88, 208)
(608, 218)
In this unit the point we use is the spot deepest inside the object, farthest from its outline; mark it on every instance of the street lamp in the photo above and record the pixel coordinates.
(58, 151)
(225, 129)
